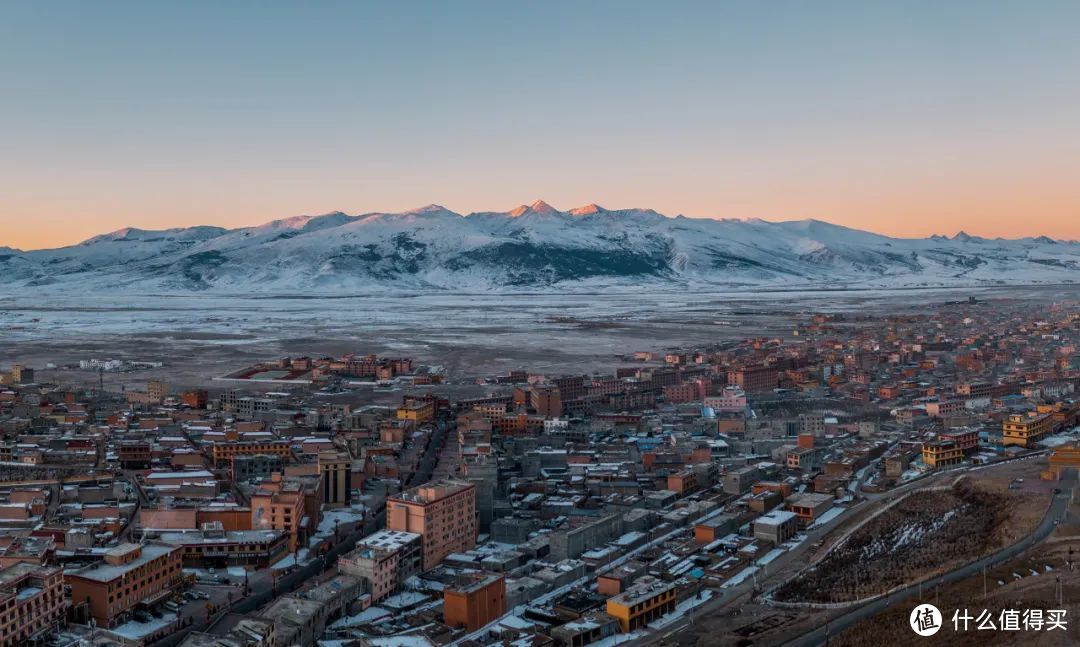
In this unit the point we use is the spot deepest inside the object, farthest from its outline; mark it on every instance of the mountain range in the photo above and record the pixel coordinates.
(530, 247)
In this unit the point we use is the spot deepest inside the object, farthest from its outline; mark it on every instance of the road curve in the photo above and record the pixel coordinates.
(836, 625)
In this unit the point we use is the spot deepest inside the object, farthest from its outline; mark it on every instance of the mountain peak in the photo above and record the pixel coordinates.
(428, 208)
(539, 207)
(542, 207)
(587, 210)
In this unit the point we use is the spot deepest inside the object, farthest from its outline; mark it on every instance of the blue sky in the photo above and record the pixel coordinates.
(907, 118)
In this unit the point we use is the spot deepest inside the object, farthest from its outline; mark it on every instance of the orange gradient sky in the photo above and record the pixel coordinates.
(904, 120)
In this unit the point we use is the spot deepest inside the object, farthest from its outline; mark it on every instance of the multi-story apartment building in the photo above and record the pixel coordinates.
(417, 412)
(383, 561)
(278, 504)
(546, 400)
(731, 399)
(213, 546)
(131, 574)
(134, 454)
(246, 467)
(31, 603)
(942, 453)
(443, 513)
(223, 453)
(1026, 430)
(975, 390)
(754, 379)
(157, 391)
(22, 374)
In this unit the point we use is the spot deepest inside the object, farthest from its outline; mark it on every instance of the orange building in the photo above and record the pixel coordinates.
(278, 504)
(443, 513)
(641, 604)
(132, 575)
(940, 454)
(195, 399)
(31, 603)
(1023, 430)
(475, 604)
(1062, 459)
(682, 482)
(417, 412)
(783, 489)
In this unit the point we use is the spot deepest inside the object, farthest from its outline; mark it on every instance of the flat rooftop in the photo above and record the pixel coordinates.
(431, 491)
(109, 572)
(642, 592)
(776, 517)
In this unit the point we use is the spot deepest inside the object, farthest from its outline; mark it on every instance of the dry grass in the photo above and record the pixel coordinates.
(926, 533)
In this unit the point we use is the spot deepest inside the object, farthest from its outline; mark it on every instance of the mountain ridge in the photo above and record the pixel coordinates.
(531, 246)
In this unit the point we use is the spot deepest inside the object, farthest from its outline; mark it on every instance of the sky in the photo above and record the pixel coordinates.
(904, 118)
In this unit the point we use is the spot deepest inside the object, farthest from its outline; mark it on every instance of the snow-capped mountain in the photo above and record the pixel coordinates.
(532, 246)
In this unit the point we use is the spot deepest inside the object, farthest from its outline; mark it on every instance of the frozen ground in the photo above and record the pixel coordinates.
(199, 337)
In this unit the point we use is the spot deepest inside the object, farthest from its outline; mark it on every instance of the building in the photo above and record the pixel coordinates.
(732, 399)
(335, 469)
(739, 481)
(197, 399)
(1025, 431)
(224, 452)
(546, 400)
(278, 504)
(754, 379)
(31, 603)
(213, 546)
(157, 391)
(1061, 459)
(476, 602)
(810, 507)
(712, 529)
(592, 627)
(965, 438)
(418, 411)
(21, 374)
(975, 390)
(642, 603)
(942, 453)
(134, 454)
(443, 513)
(249, 467)
(777, 527)
(131, 576)
(245, 632)
(383, 561)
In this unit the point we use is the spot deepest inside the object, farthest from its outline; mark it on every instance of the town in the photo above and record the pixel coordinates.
(764, 490)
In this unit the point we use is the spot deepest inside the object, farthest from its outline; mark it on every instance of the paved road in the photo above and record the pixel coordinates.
(798, 554)
(1055, 513)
